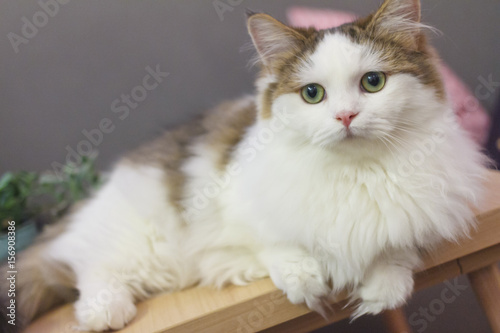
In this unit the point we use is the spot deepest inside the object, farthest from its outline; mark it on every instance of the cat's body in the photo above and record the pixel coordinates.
(274, 185)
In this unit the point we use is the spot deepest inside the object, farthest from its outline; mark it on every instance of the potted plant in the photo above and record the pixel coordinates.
(33, 200)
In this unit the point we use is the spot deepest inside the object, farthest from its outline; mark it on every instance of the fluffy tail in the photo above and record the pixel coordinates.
(39, 283)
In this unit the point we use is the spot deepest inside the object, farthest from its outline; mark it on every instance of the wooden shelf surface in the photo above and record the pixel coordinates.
(261, 307)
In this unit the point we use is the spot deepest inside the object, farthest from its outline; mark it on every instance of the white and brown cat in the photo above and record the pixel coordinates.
(344, 165)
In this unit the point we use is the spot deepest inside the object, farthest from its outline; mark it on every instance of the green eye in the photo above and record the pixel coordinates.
(313, 93)
(373, 82)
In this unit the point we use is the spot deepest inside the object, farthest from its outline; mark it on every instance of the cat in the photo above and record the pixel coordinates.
(344, 166)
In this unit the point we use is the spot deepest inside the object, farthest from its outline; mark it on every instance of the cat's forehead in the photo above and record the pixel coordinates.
(336, 54)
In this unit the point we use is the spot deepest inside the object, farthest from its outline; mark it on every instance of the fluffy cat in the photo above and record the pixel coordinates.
(344, 166)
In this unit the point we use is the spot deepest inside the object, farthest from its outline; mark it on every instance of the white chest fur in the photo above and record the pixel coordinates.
(335, 206)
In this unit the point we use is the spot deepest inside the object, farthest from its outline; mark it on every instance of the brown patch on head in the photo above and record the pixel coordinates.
(267, 100)
(395, 32)
(282, 50)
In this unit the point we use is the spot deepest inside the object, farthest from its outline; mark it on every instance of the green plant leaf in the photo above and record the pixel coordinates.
(27, 195)
(4, 181)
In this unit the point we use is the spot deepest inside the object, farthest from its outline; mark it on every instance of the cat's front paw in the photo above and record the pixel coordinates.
(303, 281)
(385, 288)
(100, 314)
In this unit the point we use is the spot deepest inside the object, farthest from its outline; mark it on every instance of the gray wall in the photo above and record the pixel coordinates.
(64, 78)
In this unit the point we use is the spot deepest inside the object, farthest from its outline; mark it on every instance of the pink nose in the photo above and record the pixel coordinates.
(346, 117)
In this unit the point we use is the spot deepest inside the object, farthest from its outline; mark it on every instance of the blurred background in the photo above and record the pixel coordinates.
(77, 66)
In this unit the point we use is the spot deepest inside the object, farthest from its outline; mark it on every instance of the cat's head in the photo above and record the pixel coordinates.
(370, 80)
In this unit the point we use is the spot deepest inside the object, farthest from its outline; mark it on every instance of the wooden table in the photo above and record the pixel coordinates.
(261, 307)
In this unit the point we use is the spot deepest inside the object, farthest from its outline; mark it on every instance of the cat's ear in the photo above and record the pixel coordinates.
(398, 19)
(273, 39)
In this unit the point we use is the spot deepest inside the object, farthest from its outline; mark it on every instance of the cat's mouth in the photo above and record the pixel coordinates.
(348, 133)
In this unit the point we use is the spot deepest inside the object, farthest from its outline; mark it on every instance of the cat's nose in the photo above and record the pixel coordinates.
(346, 117)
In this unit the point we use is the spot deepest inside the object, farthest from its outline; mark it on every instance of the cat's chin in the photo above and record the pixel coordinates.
(350, 135)
(349, 141)
(354, 144)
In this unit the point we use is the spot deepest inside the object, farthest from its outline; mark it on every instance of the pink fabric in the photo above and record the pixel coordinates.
(318, 18)
(472, 116)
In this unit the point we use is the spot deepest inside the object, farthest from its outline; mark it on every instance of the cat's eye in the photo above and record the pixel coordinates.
(313, 93)
(373, 82)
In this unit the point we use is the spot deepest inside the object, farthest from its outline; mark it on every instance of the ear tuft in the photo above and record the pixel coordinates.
(249, 13)
(399, 19)
(407, 10)
(272, 39)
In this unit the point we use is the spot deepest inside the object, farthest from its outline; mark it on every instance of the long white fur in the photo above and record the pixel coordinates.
(309, 206)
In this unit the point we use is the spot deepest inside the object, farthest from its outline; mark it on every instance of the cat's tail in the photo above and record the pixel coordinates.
(34, 283)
